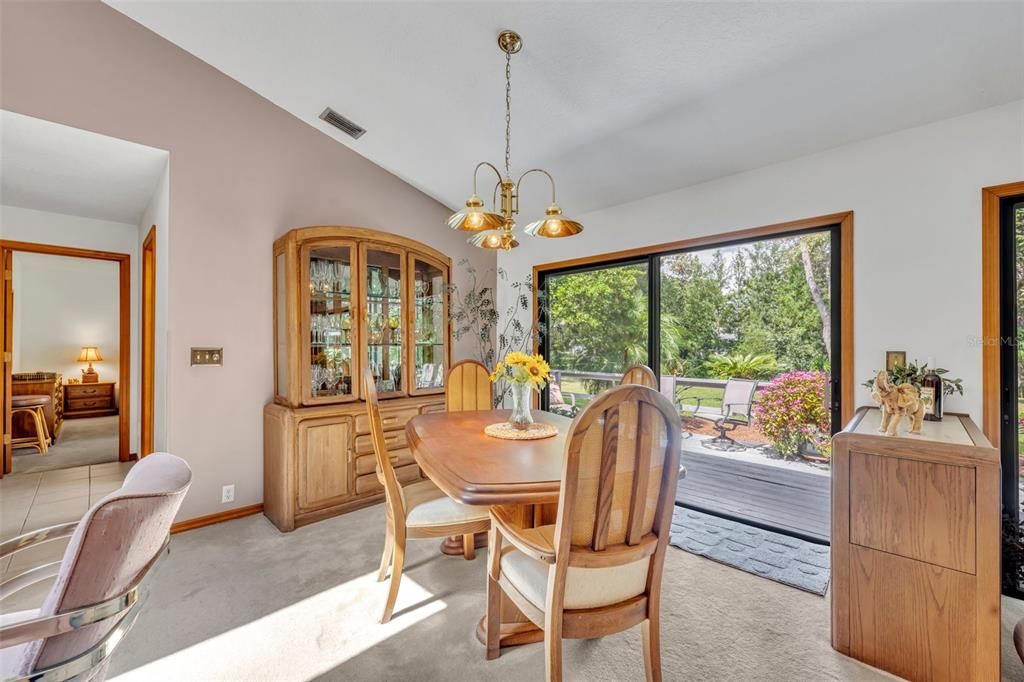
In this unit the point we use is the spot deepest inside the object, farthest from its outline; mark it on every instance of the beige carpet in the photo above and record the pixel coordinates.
(241, 601)
(82, 442)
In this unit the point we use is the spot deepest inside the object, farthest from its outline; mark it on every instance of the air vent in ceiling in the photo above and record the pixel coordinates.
(341, 123)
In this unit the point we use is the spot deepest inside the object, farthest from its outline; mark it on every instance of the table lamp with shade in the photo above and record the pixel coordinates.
(90, 354)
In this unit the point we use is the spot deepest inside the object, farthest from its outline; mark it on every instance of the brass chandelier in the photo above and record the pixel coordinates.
(494, 230)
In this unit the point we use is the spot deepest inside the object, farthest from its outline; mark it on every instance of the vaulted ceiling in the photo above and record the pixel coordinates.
(51, 167)
(620, 100)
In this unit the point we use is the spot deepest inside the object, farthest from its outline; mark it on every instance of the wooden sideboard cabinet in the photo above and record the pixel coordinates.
(347, 298)
(915, 549)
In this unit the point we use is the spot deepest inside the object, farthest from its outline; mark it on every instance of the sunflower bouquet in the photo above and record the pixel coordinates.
(525, 373)
(523, 368)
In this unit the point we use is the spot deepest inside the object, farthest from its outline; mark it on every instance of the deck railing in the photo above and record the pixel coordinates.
(558, 375)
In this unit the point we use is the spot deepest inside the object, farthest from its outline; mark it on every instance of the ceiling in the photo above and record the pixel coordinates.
(51, 167)
(620, 100)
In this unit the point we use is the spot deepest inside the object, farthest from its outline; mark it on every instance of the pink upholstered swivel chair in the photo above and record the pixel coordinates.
(96, 595)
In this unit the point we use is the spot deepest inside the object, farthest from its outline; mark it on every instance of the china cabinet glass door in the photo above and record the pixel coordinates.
(428, 359)
(383, 281)
(329, 323)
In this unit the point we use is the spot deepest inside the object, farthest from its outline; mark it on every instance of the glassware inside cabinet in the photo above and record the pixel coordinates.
(330, 321)
(429, 291)
(384, 319)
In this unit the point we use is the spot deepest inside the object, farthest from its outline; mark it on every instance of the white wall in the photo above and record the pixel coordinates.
(22, 224)
(60, 305)
(916, 197)
(158, 213)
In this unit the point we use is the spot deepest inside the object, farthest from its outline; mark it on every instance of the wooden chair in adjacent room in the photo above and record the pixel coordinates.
(468, 387)
(641, 375)
(420, 510)
(598, 569)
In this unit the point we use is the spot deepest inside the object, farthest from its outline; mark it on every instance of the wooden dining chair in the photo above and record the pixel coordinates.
(468, 387)
(597, 569)
(641, 375)
(420, 510)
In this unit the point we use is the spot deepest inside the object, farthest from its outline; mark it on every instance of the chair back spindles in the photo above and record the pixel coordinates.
(393, 498)
(468, 387)
(621, 469)
(640, 375)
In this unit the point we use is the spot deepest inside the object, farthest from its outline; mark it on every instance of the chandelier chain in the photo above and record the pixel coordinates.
(508, 114)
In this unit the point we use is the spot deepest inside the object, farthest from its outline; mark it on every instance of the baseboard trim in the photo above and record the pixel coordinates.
(219, 517)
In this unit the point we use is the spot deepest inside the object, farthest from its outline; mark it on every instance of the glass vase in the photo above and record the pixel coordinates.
(521, 418)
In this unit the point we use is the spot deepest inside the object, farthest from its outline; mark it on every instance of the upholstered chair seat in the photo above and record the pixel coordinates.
(441, 510)
(585, 588)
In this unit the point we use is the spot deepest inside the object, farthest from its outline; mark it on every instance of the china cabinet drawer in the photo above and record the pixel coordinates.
(393, 440)
(367, 464)
(368, 483)
(391, 419)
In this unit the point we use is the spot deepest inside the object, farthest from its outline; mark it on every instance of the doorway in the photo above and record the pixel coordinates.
(61, 397)
(723, 321)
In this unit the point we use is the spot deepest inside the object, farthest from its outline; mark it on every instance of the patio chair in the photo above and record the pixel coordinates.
(101, 582)
(667, 388)
(557, 401)
(735, 411)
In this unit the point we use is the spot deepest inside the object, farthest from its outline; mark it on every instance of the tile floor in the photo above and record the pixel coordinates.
(33, 501)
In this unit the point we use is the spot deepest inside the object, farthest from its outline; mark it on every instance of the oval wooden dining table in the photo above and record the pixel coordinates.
(452, 449)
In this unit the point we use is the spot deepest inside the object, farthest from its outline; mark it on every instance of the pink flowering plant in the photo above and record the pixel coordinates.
(791, 411)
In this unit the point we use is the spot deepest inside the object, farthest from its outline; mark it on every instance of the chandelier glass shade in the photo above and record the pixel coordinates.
(495, 228)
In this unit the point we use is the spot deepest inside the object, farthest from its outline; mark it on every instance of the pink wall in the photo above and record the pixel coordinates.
(243, 171)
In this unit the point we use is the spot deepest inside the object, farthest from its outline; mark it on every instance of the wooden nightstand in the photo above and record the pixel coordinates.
(89, 400)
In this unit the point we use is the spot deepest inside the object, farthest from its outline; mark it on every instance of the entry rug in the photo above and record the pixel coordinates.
(775, 556)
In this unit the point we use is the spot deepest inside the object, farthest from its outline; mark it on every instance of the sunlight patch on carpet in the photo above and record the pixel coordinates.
(299, 642)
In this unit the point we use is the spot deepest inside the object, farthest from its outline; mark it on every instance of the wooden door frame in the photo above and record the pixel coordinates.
(124, 332)
(991, 341)
(147, 342)
(845, 222)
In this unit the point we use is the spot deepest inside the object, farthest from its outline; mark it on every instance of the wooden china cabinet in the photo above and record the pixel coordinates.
(346, 298)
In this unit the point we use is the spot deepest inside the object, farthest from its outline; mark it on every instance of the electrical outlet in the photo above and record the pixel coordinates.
(227, 494)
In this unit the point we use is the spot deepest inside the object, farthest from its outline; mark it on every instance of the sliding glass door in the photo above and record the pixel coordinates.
(597, 325)
(742, 336)
(1012, 394)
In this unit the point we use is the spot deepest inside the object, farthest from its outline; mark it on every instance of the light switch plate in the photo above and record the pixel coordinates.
(207, 356)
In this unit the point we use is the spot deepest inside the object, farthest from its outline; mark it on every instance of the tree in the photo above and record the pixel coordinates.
(597, 320)
(819, 303)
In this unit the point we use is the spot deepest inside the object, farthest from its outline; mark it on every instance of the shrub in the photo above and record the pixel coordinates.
(792, 411)
(737, 366)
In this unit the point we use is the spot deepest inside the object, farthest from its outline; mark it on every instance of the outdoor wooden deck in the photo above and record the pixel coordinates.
(771, 497)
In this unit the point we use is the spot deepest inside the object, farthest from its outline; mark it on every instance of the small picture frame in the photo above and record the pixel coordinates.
(894, 359)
